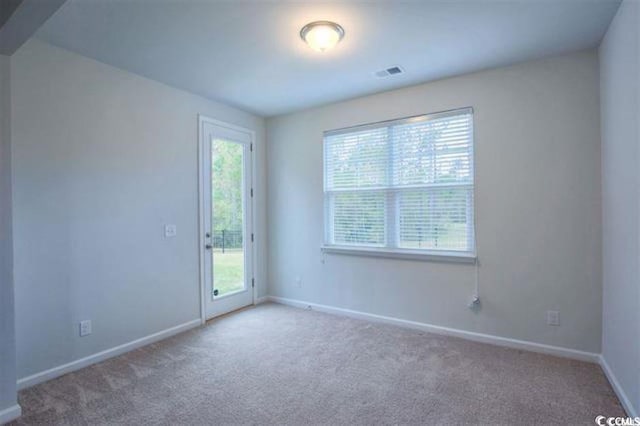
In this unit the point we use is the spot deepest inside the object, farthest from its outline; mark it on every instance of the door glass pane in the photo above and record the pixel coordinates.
(227, 182)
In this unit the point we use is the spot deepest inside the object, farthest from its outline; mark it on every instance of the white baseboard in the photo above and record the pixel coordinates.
(10, 413)
(622, 396)
(60, 370)
(260, 300)
(468, 335)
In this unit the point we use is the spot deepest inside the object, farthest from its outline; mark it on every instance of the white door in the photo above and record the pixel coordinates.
(226, 217)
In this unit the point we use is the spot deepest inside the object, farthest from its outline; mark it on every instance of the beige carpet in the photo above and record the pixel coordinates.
(279, 365)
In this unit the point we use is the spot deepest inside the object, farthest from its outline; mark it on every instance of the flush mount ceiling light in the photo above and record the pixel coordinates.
(322, 35)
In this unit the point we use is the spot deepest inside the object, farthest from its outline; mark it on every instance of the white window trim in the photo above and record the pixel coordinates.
(394, 252)
(399, 253)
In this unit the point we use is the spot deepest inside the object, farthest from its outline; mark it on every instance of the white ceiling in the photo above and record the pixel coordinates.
(248, 53)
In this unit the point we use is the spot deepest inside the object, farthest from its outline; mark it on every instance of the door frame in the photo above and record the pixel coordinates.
(202, 252)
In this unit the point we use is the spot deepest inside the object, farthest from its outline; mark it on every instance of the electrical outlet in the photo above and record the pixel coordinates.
(298, 282)
(85, 328)
(170, 231)
(553, 318)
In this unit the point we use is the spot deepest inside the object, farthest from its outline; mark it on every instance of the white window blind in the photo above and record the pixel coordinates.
(402, 185)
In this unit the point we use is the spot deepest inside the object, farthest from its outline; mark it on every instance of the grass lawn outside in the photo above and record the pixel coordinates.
(228, 271)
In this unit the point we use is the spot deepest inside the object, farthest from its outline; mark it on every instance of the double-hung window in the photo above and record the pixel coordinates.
(401, 186)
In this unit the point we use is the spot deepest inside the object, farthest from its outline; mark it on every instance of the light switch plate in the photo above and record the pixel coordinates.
(170, 231)
(553, 318)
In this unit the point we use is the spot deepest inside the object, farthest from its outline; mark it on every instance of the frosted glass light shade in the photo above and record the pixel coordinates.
(322, 35)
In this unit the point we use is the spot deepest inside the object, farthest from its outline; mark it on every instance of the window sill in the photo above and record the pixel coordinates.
(431, 256)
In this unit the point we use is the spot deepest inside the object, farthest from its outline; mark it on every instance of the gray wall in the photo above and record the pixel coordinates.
(102, 159)
(7, 338)
(537, 141)
(620, 110)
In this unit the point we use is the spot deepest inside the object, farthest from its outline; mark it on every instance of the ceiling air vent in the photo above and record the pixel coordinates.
(388, 72)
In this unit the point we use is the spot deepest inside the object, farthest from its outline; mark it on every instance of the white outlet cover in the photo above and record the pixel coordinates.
(85, 328)
(170, 231)
(553, 318)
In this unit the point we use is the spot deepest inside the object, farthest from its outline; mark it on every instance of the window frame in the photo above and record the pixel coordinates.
(392, 216)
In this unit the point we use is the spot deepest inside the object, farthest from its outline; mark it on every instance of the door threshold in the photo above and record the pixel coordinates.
(234, 311)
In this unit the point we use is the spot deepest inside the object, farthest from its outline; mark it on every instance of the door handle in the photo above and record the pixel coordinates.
(208, 246)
